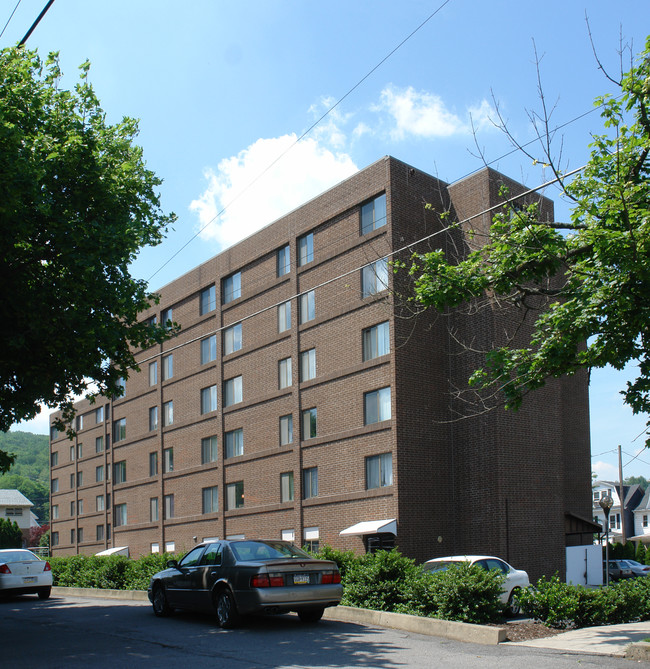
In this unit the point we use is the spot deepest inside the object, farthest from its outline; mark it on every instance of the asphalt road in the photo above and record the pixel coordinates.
(78, 631)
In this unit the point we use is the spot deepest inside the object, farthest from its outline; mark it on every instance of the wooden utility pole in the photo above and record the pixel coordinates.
(621, 496)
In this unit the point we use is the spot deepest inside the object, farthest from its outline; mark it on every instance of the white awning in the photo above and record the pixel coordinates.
(122, 550)
(372, 527)
(643, 538)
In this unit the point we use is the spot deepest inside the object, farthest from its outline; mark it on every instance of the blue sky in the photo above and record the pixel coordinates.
(223, 91)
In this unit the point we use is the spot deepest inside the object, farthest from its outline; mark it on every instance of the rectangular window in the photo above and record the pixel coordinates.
(168, 367)
(153, 373)
(99, 473)
(232, 287)
(379, 471)
(286, 487)
(286, 429)
(307, 311)
(309, 423)
(55, 512)
(54, 433)
(209, 452)
(80, 450)
(119, 430)
(168, 413)
(377, 405)
(120, 384)
(72, 508)
(234, 443)
(645, 521)
(312, 541)
(54, 459)
(72, 534)
(168, 506)
(235, 495)
(80, 423)
(232, 340)
(99, 533)
(99, 444)
(80, 507)
(208, 399)
(73, 452)
(284, 373)
(153, 463)
(376, 341)
(119, 472)
(99, 503)
(71, 480)
(80, 479)
(119, 515)
(208, 300)
(80, 534)
(153, 419)
(55, 538)
(55, 485)
(210, 499)
(373, 214)
(284, 316)
(284, 260)
(168, 460)
(151, 321)
(99, 415)
(153, 509)
(208, 349)
(233, 393)
(310, 482)
(374, 277)
(308, 365)
(305, 249)
(166, 318)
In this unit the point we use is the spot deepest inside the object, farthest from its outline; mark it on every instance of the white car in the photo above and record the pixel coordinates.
(22, 572)
(515, 579)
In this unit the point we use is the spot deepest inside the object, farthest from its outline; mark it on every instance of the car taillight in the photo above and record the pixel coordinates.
(47, 566)
(267, 581)
(4, 569)
(330, 577)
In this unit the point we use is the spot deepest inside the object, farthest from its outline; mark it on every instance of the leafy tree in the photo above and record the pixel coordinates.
(76, 204)
(11, 535)
(584, 285)
(637, 480)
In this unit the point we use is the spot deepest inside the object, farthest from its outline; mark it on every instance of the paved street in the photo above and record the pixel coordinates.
(78, 631)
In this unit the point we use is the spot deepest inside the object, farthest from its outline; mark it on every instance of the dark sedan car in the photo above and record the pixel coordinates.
(235, 578)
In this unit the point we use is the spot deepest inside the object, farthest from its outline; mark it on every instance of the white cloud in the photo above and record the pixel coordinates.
(267, 180)
(604, 471)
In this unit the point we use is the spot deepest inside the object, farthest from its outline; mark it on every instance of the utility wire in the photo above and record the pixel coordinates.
(38, 20)
(10, 17)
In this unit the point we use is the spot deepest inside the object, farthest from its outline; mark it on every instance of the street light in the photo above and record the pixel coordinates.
(606, 503)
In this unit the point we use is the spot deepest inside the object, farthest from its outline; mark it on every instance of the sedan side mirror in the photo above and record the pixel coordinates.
(172, 564)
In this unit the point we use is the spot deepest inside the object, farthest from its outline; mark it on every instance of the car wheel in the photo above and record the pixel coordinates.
(44, 593)
(310, 615)
(226, 609)
(513, 607)
(160, 604)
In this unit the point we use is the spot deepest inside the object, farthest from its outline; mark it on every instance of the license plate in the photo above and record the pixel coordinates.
(301, 579)
(29, 579)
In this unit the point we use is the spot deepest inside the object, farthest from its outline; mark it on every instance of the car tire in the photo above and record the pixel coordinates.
(161, 606)
(226, 610)
(513, 608)
(44, 593)
(311, 615)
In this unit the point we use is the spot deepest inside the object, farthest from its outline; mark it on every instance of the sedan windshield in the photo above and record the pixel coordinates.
(266, 550)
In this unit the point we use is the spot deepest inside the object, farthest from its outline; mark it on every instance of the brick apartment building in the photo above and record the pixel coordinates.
(301, 399)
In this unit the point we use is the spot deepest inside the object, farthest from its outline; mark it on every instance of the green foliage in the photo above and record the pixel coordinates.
(77, 203)
(585, 283)
(10, 534)
(637, 480)
(343, 559)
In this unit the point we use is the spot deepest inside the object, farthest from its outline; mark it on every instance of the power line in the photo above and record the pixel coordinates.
(10, 17)
(38, 20)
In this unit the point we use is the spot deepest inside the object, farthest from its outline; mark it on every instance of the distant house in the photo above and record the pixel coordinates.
(633, 496)
(642, 520)
(16, 507)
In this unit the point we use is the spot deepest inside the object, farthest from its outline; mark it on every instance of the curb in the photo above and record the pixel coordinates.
(482, 634)
(638, 651)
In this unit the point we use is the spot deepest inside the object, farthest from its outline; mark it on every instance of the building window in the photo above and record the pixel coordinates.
(309, 423)
(308, 365)
(376, 341)
(14, 511)
(99, 444)
(99, 503)
(286, 429)
(72, 536)
(120, 385)
(80, 507)
(305, 249)
(232, 340)
(153, 419)
(645, 521)
(311, 539)
(284, 316)
(80, 534)
(166, 318)
(210, 499)
(99, 415)
(153, 463)
(377, 405)
(168, 367)
(151, 321)
(208, 399)
(155, 548)
(119, 430)
(209, 451)
(99, 473)
(80, 423)
(284, 260)
(307, 311)
(80, 479)
(54, 459)
(168, 501)
(373, 214)
(99, 533)
(119, 472)
(234, 443)
(168, 413)
(55, 485)
(72, 508)
(55, 512)
(208, 349)
(379, 471)
(153, 509)
(73, 452)
(232, 287)
(310, 482)
(284, 373)
(54, 536)
(208, 300)
(235, 495)
(374, 277)
(119, 515)
(168, 460)
(286, 487)
(71, 480)
(233, 393)
(170, 546)
(54, 433)
(153, 373)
